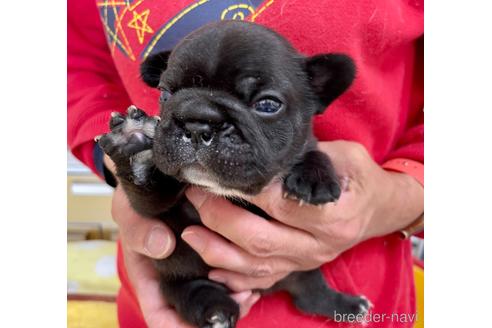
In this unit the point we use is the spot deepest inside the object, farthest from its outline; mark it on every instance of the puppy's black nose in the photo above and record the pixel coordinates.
(198, 132)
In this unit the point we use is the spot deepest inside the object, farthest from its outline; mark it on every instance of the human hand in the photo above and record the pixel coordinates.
(145, 238)
(251, 252)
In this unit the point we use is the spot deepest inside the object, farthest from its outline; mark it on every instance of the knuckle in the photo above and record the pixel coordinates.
(261, 245)
(208, 217)
(261, 270)
(210, 257)
(321, 252)
(133, 239)
(357, 150)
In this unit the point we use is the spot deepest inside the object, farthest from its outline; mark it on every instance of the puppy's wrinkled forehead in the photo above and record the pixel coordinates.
(243, 54)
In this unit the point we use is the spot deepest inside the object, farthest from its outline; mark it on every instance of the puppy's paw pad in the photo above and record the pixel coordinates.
(129, 134)
(116, 120)
(313, 188)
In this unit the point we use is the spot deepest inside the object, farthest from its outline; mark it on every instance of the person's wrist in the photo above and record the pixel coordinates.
(411, 219)
(398, 205)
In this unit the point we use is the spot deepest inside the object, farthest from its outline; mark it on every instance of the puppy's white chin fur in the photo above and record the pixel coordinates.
(197, 176)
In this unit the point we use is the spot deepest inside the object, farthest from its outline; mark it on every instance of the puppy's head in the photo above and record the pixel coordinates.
(236, 105)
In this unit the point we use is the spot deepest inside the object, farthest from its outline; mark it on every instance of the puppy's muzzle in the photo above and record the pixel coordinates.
(198, 132)
(200, 123)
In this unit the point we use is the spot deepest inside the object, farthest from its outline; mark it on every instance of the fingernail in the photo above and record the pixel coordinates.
(217, 278)
(197, 243)
(158, 242)
(196, 196)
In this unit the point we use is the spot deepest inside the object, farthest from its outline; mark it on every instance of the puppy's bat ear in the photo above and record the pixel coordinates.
(330, 75)
(152, 68)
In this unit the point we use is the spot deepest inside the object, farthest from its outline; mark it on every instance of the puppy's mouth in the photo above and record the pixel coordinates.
(197, 175)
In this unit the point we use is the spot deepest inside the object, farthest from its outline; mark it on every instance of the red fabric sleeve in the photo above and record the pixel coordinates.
(410, 167)
(94, 86)
(411, 144)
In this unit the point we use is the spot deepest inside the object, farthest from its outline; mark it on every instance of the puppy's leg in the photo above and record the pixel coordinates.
(129, 144)
(202, 302)
(313, 180)
(312, 295)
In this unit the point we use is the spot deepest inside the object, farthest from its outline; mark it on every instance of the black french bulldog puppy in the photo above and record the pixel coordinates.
(236, 107)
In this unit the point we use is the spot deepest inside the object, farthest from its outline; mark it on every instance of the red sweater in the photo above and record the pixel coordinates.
(383, 110)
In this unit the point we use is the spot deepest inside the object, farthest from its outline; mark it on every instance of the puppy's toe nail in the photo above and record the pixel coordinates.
(134, 113)
(368, 301)
(301, 203)
(285, 195)
(219, 321)
(115, 114)
(320, 206)
(157, 118)
(96, 138)
(116, 120)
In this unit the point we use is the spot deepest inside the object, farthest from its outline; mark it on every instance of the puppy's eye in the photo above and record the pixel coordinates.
(165, 95)
(268, 106)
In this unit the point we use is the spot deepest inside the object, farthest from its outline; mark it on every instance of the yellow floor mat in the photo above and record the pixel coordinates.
(92, 268)
(91, 314)
(418, 274)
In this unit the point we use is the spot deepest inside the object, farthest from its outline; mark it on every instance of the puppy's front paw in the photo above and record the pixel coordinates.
(313, 181)
(355, 305)
(129, 144)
